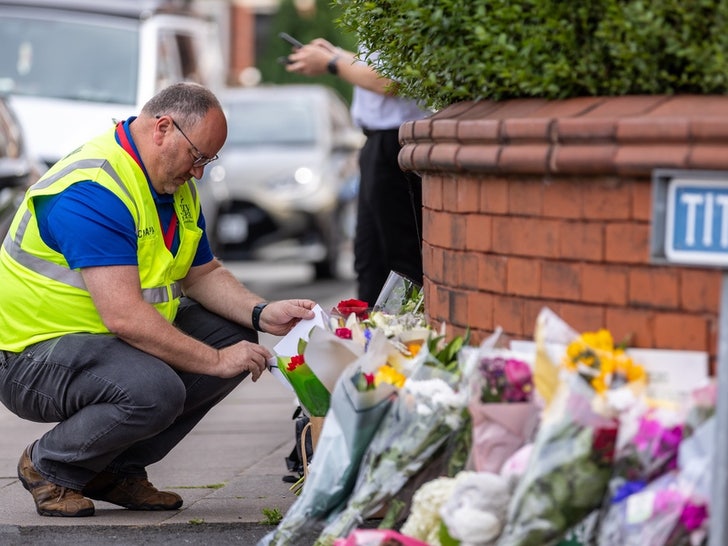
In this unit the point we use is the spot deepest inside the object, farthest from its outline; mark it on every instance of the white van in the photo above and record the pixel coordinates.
(70, 66)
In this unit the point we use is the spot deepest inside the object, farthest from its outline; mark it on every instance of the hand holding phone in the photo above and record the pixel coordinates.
(290, 39)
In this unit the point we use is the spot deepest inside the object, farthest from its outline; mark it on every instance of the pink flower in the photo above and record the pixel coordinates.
(667, 500)
(517, 372)
(520, 381)
(343, 333)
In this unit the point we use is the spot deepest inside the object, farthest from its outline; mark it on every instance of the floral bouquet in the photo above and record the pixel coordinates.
(665, 513)
(501, 406)
(423, 416)
(313, 396)
(361, 398)
(352, 320)
(466, 509)
(573, 452)
(568, 470)
(671, 508)
(647, 453)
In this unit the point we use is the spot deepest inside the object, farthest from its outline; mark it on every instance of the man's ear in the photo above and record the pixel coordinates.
(162, 126)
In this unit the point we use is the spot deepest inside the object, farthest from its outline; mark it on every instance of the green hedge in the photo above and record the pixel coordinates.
(444, 51)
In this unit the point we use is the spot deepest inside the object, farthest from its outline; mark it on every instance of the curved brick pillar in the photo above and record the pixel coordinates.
(532, 203)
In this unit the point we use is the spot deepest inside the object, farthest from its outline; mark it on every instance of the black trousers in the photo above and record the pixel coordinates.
(389, 217)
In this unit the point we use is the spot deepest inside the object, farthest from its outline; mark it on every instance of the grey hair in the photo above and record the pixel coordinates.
(187, 102)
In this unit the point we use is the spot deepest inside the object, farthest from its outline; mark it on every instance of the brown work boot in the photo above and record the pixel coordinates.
(51, 499)
(132, 492)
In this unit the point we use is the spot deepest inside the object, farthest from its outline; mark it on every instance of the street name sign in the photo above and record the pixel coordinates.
(690, 220)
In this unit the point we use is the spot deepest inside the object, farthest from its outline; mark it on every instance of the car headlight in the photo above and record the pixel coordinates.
(303, 181)
(232, 228)
(216, 173)
(215, 183)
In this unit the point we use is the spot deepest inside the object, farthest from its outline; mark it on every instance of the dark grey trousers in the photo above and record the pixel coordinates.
(118, 409)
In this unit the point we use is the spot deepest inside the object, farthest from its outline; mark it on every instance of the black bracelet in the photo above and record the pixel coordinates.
(257, 310)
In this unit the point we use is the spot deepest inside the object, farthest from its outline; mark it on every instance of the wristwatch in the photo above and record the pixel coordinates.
(332, 66)
(257, 310)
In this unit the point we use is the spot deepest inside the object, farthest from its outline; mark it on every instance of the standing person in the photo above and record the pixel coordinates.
(389, 216)
(116, 321)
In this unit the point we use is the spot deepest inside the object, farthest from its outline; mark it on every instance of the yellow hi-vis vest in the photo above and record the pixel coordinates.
(41, 297)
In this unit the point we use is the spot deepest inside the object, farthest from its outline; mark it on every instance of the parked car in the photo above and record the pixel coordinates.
(17, 170)
(286, 183)
(71, 66)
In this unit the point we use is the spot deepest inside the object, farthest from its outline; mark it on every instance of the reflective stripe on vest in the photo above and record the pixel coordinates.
(63, 274)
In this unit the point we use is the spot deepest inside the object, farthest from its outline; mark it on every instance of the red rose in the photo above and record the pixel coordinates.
(343, 333)
(603, 444)
(358, 307)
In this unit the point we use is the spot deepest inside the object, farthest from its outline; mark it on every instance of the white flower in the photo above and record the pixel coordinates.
(475, 512)
(436, 395)
(423, 522)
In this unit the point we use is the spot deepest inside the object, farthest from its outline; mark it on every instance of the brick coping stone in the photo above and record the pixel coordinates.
(628, 135)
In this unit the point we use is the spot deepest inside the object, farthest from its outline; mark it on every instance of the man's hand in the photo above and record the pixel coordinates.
(241, 357)
(279, 317)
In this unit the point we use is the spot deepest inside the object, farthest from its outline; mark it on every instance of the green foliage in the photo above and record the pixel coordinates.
(446, 355)
(273, 516)
(444, 51)
(304, 26)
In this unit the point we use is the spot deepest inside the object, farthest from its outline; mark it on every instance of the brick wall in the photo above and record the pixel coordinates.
(530, 203)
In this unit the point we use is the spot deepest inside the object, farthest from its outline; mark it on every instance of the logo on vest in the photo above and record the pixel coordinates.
(146, 232)
(185, 212)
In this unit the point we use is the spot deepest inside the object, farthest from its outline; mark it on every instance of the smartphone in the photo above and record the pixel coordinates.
(290, 39)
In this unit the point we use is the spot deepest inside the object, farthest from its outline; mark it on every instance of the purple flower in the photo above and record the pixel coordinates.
(657, 443)
(693, 516)
(627, 489)
(505, 380)
(669, 442)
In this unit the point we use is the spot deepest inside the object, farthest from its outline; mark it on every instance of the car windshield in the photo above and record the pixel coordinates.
(62, 59)
(287, 122)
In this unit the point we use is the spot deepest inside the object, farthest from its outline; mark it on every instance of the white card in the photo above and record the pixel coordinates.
(288, 346)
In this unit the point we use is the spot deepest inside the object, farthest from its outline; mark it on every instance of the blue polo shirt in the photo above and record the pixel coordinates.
(91, 226)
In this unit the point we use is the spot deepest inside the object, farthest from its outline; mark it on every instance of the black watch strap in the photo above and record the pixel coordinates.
(257, 310)
(332, 67)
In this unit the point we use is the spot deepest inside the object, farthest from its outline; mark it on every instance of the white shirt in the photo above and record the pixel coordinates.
(375, 111)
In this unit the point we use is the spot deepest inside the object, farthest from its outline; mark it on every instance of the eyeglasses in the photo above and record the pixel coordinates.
(200, 159)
